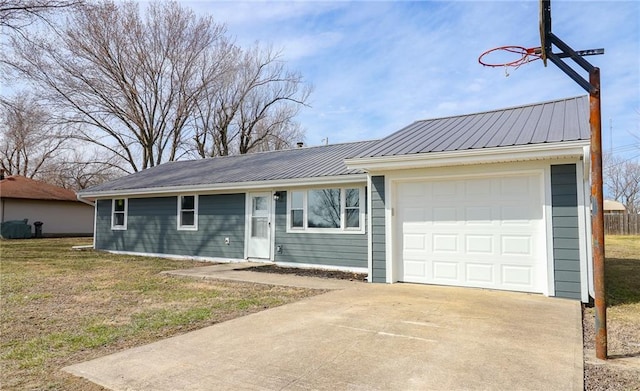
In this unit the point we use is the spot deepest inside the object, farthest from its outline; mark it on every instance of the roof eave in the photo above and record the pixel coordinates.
(227, 187)
(556, 150)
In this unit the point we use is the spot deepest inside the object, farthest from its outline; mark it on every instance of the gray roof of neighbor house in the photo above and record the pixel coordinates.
(309, 162)
(548, 122)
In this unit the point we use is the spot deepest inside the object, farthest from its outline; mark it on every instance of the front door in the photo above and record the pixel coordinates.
(260, 226)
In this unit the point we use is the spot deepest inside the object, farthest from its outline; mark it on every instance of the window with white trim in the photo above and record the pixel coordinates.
(188, 212)
(119, 209)
(326, 210)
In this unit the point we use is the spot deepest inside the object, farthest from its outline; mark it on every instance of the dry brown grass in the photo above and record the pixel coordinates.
(62, 306)
(622, 276)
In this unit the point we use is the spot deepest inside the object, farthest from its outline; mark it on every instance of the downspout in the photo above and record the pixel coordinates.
(95, 215)
(587, 194)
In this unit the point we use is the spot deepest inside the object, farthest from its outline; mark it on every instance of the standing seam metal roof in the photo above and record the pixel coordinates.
(310, 162)
(547, 122)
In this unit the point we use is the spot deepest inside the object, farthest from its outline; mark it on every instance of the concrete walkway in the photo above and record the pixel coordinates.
(238, 272)
(368, 337)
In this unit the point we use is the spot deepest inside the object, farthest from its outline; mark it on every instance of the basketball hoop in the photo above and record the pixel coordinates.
(493, 57)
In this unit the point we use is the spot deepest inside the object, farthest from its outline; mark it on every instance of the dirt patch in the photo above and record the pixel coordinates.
(622, 275)
(622, 370)
(320, 273)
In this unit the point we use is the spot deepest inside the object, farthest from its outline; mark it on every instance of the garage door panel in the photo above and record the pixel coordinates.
(442, 190)
(520, 276)
(447, 243)
(516, 245)
(484, 232)
(480, 273)
(479, 244)
(415, 270)
(516, 214)
(515, 186)
(478, 214)
(446, 271)
(413, 214)
(478, 187)
(415, 241)
(444, 215)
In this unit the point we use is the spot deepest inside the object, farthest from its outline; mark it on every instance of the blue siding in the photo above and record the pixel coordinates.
(378, 231)
(566, 253)
(344, 250)
(152, 227)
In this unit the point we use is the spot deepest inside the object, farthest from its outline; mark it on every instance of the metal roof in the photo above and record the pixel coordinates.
(548, 122)
(308, 162)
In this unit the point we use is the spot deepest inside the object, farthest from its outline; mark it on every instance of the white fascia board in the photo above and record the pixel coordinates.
(227, 187)
(472, 156)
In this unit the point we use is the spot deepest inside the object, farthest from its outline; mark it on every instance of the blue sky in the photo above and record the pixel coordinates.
(378, 66)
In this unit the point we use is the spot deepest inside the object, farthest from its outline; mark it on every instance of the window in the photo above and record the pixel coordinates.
(352, 208)
(326, 210)
(188, 212)
(297, 209)
(119, 213)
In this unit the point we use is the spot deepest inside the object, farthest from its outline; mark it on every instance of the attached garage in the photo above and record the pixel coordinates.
(485, 232)
(495, 200)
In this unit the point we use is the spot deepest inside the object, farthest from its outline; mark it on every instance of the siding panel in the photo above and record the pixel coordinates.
(566, 253)
(378, 253)
(152, 227)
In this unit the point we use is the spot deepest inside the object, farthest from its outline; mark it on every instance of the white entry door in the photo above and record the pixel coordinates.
(259, 226)
(483, 232)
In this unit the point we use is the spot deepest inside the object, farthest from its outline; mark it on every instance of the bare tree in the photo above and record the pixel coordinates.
(31, 139)
(129, 81)
(80, 169)
(253, 108)
(622, 180)
(154, 86)
(18, 14)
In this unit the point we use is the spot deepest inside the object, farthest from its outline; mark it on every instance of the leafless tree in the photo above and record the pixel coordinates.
(80, 169)
(128, 80)
(622, 180)
(144, 86)
(31, 139)
(18, 14)
(324, 208)
(253, 108)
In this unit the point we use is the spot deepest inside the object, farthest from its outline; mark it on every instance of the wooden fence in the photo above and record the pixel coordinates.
(621, 224)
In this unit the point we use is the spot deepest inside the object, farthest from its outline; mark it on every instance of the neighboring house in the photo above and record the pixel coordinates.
(613, 207)
(61, 213)
(490, 200)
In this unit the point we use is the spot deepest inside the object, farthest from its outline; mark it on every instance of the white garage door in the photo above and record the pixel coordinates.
(479, 232)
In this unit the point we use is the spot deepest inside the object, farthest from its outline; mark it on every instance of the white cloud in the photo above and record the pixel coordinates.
(378, 66)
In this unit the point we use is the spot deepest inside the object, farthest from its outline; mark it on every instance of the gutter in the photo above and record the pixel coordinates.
(226, 187)
(85, 200)
(472, 156)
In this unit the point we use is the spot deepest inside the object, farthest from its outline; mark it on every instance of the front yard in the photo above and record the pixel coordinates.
(61, 306)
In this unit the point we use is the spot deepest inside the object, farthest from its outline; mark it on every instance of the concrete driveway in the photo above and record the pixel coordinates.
(371, 337)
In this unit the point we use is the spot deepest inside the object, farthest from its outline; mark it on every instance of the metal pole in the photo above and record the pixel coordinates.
(597, 214)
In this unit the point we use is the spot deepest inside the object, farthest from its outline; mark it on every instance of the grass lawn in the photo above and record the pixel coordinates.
(622, 279)
(61, 306)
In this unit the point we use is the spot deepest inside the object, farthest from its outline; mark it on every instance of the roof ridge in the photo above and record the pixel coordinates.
(268, 152)
(504, 109)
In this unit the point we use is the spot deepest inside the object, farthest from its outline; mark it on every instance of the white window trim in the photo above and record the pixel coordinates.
(342, 229)
(181, 227)
(126, 214)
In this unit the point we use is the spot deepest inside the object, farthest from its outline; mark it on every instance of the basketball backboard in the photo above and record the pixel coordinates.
(545, 29)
